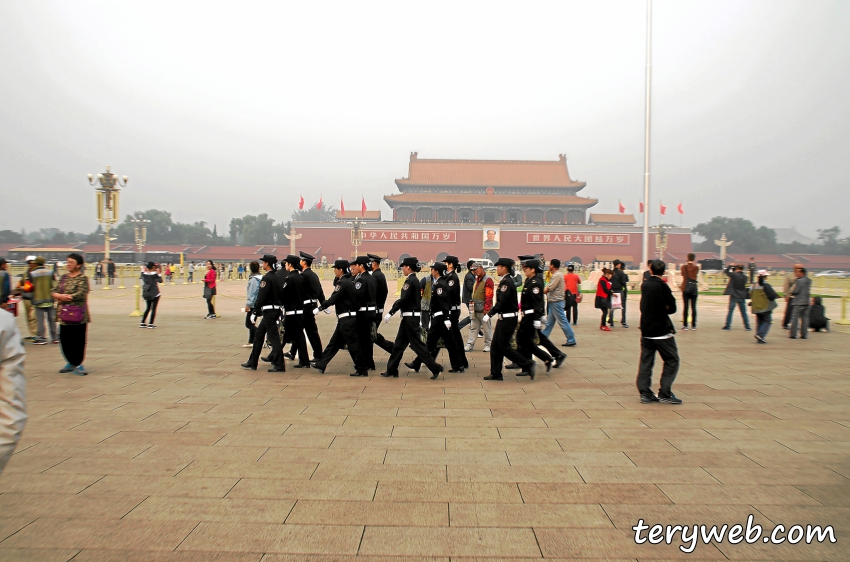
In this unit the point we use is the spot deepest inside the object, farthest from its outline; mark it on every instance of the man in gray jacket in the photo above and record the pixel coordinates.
(800, 301)
(13, 408)
(737, 291)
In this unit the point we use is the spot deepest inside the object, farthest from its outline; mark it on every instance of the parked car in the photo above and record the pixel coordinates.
(835, 273)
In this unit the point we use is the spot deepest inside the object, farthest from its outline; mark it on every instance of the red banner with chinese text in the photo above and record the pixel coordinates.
(380, 235)
(568, 238)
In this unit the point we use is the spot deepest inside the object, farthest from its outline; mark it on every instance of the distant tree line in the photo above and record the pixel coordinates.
(762, 240)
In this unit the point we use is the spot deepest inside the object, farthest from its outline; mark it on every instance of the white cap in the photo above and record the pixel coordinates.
(763, 272)
(30, 258)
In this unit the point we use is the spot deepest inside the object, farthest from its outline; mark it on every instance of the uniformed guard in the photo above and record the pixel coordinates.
(381, 292)
(364, 287)
(409, 329)
(344, 301)
(267, 305)
(507, 308)
(533, 314)
(292, 299)
(313, 296)
(453, 281)
(441, 324)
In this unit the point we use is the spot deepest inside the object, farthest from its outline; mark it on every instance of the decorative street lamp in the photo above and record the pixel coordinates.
(107, 186)
(140, 228)
(356, 235)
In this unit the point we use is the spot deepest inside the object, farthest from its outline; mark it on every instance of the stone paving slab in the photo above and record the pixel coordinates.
(168, 451)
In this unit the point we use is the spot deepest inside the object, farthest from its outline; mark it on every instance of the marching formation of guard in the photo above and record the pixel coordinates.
(290, 297)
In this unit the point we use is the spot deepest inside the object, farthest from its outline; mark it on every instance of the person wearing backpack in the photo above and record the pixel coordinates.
(763, 302)
(151, 278)
(690, 292)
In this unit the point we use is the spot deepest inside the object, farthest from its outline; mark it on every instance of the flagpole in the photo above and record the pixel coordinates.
(645, 241)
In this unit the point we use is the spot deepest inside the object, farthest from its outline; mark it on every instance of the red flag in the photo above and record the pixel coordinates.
(641, 206)
(341, 206)
(319, 204)
(622, 208)
(362, 206)
(663, 209)
(680, 209)
(301, 202)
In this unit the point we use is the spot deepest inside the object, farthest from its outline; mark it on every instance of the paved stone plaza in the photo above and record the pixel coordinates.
(168, 451)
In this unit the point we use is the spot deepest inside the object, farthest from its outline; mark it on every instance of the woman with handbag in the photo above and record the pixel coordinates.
(209, 289)
(72, 294)
(603, 297)
(763, 302)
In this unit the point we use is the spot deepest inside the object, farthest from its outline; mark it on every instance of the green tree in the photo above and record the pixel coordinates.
(746, 237)
(257, 229)
(326, 214)
(11, 237)
(829, 236)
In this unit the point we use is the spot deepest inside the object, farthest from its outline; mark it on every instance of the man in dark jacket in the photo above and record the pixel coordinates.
(468, 286)
(657, 303)
(737, 291)
(619, 284)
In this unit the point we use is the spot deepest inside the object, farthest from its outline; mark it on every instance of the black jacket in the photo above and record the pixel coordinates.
(468, 286)
(312, 287)
(269, 293)
(410, 298)
(381, 290)
(453, 282)
(506, 301)
(532, 299)
(737, 286)
(292, 292)
(150, 280)
(441, 300)
(657, 303)
(343, 298)
(619, 281)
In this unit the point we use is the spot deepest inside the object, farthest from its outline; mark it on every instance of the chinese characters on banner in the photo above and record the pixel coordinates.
(377, 235)
(559, 238)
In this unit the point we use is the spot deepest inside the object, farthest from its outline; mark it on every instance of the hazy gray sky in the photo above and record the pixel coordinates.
(221, 109)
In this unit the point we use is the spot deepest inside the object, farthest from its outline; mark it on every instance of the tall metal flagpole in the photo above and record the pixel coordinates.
(645, 241)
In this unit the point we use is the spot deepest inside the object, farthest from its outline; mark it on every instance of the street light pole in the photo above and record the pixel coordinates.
(108, 187)
(645, 240)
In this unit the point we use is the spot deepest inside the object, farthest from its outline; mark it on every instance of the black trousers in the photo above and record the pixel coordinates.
(344, 334)
(525, 340)
(252, 328)
(692, 301)
(501, 347)
(438, 330)
(293, 332)
(150, 307)
(380, 340)
(312, 331)
(365, 345)
(454, 317)
(408, 335)
(669, 353)
(604, 315)
(571, 308)
(72, 340)
(547, 344)
(787, 317)
(426, 319)
(268, 326)
(210, 307)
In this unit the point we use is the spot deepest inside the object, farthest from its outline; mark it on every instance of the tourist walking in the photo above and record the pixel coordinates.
(480, 303)
(13, 400)
(801, 301)
(603, 297)
(572, 297)
(556, 293)
(191, 272)
(252, 289)
(507, 307)
(690, 292)
(736, 288)
(72, 292)
(619, 286)
(409, 330)
(42, 300)
(763, 302)
(110, 271)
(657, 303)
(151, 278)
(210, 290)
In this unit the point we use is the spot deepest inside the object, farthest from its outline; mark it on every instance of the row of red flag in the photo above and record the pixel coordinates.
(341, 204)
(662, 208)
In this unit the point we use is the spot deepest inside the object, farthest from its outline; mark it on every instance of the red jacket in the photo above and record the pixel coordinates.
(603, 289)
(209, 278)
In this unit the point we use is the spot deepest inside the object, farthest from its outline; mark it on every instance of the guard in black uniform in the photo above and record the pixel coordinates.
(533, 315)
(381, 292)
(313, 296)
(292, 299)
(455, 287)
(507, 307)
(267, 305)
(344, 302)
(409, 329)
(364, 288)
(441, 324)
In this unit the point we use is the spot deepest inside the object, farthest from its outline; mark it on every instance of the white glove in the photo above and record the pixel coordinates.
(326, 310)
(448, 324)
(538, 324)
(387, 317)
(485, 318)
(316, 311)
(472, 309)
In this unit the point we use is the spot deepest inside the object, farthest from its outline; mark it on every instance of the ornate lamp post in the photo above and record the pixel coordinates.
(140, 228)
(356, 235)
(108, 187)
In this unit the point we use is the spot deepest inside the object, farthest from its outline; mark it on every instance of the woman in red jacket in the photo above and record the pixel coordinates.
(209, 289)
(603, 296)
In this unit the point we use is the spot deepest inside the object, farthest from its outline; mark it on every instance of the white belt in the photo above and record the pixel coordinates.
(380, 311)
(308, 301)
(456, 307)
(437, 314)
(411, 313)
(362, 308)
(293, 312)
(528, 312)
(346, 314)
(270, 307)
(509, 315)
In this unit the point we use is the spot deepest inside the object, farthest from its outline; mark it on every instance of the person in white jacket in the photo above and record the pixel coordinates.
(13, 401)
